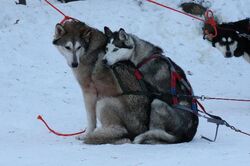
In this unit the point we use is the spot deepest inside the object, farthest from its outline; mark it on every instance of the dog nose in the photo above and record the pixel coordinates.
(104, 61)
(74, 64)
(228, 54)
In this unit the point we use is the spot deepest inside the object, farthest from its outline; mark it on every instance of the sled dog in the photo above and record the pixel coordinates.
(233, 38)
(168, 124)
(122, 117)
(193, 8)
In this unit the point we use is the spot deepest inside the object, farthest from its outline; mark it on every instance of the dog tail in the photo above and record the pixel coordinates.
(155, 137)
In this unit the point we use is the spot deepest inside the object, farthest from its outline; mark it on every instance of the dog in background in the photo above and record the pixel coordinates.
(233, 38)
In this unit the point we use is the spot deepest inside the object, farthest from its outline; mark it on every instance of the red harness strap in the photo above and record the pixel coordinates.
(174, 75)
(174, 78)
(177, 77)
(146, 60)
(137, 72)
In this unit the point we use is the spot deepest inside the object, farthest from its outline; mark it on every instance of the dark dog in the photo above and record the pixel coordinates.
(233, 38)
(193, 8)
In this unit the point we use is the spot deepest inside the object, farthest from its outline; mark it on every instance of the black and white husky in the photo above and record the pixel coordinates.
(168, 124)
(233, 38)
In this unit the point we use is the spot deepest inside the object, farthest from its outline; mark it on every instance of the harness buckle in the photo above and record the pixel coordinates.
(202, 98)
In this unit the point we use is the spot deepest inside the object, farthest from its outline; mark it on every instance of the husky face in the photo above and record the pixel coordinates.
(224, 41)
(71, 45)
(120, 46)
(230, 39)
(227, 46)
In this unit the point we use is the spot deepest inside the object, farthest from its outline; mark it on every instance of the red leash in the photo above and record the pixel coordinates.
(167, 7)
(65, 16)
(209, 18)
(39, 117)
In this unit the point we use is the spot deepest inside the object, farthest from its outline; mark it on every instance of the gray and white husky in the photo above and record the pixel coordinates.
(168, 124)
(122, 117)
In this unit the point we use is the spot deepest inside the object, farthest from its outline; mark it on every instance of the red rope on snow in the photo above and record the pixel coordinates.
(39, 117)
(65, 16)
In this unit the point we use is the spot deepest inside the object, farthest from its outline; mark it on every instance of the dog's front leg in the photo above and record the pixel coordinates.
(90, 100)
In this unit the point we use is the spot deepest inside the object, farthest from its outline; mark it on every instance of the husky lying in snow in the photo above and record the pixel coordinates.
(193, 8)
(232, 38)
(168, 124)
(122, 117)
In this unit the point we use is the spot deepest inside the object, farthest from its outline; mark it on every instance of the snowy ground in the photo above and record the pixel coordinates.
(35, 79)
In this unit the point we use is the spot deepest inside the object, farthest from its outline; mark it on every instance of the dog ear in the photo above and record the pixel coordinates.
(86, 36)
(108, 32)
(122, 34)
(59, 31)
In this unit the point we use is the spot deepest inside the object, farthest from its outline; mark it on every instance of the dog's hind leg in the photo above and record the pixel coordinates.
(104, 135)
(160, 119)
(112, 130)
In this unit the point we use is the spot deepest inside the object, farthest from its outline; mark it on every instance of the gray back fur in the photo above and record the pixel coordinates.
(143, 49)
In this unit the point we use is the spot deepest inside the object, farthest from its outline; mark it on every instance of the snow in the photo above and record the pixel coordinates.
(35, 79)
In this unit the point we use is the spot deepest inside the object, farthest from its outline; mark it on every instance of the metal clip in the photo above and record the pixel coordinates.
(202, 98)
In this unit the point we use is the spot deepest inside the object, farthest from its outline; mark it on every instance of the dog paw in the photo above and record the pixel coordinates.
(92, 139)
(138, 140)
(123, 141)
